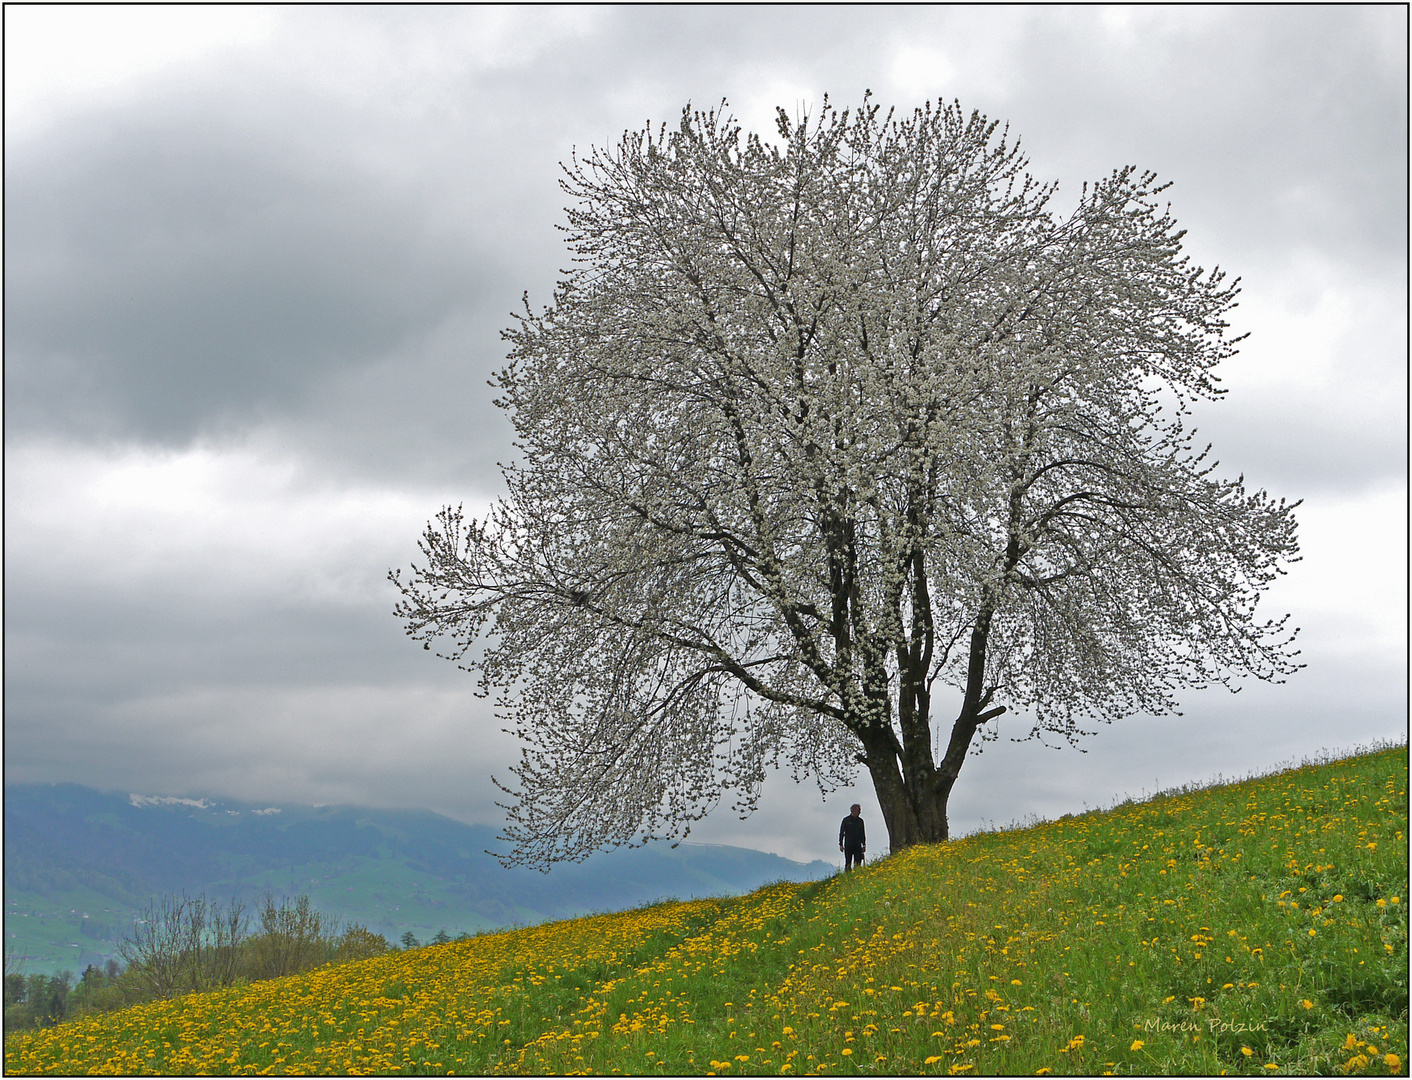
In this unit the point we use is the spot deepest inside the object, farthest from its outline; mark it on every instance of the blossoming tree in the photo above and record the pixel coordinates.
(824, 435)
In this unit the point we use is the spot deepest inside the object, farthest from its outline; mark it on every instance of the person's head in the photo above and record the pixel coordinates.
(855, 809)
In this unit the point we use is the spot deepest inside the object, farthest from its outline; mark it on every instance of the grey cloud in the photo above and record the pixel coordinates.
(254, 699)
(167, 641)
(1294, 449)
(244, 250)
(380, 744)
(174, 272)
(1281, 127)
(422, 413)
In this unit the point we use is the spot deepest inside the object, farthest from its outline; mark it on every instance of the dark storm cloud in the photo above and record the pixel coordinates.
(167, 273)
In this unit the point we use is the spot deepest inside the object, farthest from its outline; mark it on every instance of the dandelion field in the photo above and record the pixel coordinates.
(1252, 928)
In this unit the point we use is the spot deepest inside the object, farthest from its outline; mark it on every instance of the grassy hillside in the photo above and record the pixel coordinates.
(1255, 928)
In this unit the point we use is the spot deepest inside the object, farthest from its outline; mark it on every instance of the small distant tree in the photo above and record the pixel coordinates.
(357, 942)
(290, 938)
(37, 1000)
(818, 436)
(229, 929)
(60, 983)
(14, 988)
(193, 942)
(442, 937)
(153, 951)
(98, 990)
(409, 940)
(37, 996)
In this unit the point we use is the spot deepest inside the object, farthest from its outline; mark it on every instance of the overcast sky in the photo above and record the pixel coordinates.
(257, 262)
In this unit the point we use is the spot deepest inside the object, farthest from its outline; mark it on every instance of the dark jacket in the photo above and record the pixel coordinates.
(851, 834)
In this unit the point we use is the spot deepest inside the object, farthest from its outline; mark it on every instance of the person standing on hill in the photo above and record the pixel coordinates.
(852, 840)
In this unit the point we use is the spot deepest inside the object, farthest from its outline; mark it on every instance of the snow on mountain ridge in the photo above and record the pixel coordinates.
(167, 800)
(143, 801)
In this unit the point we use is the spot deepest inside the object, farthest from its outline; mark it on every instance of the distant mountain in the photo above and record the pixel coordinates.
(79, 863)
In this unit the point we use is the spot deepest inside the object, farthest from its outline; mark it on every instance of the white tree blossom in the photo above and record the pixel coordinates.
(819, 434)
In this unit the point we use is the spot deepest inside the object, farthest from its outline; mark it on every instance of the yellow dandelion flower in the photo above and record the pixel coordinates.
(1137, 1045)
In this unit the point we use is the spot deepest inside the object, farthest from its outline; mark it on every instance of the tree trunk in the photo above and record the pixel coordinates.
(915, 812)
(913, 797)
(904, 824)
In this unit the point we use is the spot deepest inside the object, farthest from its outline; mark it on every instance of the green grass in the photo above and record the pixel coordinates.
(46, 929)
(1251, 928)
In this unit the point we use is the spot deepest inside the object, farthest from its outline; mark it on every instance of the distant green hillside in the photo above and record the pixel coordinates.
(1257, 928)
(79, 863)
